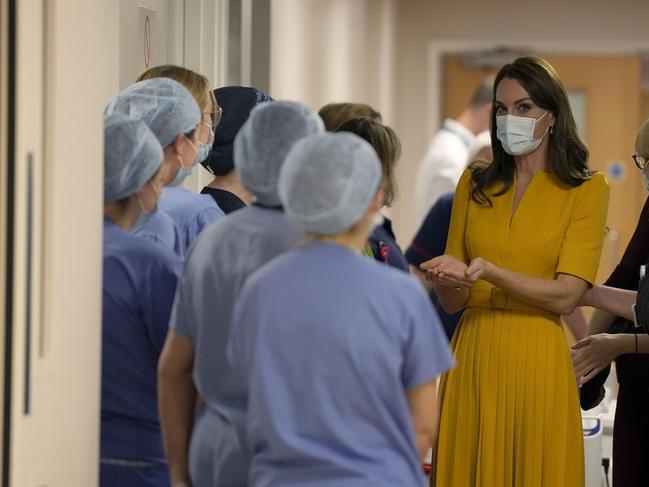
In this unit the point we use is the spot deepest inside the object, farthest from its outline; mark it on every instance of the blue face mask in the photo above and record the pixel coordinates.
(204, 149)
(146, 215)
(183, 172)
(201, 154)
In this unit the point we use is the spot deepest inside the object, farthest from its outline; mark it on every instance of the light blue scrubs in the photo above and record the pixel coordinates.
(218, 264)
(190, 212)
(161, 229)
(329, 342)
(139, 283)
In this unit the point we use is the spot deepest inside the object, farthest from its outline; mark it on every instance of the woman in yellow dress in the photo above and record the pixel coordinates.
(524, 245)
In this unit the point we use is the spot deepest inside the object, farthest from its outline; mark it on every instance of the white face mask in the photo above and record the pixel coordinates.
(516, 134)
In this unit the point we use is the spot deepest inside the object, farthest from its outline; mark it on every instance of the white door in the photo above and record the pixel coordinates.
(65, 66)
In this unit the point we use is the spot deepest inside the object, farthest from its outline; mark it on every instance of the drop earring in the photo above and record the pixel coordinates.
(551, 129)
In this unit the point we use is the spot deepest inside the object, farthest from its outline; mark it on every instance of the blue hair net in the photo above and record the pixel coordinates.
(328, 181)
(164, 104)
(132, 155)
(264, 140)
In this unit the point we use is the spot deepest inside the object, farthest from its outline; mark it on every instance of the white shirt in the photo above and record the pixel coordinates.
(443, 165)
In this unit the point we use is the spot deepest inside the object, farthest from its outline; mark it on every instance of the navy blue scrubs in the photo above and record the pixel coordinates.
(138, 292)
(384, 246)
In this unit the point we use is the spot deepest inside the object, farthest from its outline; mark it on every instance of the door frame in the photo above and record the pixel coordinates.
(7, 149)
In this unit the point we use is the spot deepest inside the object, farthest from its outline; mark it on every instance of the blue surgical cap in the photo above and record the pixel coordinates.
(328, 181)
(263, 142)
(236, 102)
(164, 104)
(132, 155)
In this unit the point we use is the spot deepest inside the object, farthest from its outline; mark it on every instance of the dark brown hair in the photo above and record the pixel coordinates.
(335, 114)
(483, 94)
(568, 155)
(642, 140)
(387, 146)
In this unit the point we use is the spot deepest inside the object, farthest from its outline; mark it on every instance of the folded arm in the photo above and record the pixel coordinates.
(560, 295)
(615, 301)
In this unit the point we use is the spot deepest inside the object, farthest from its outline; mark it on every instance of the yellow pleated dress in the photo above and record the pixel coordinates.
(509, 410)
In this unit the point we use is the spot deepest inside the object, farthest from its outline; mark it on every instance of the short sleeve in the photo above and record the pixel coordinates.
(207, 216)
(197, 224)
(430, 240)
(582, 243)
(427, 353)
(455, 244)
(180, 320)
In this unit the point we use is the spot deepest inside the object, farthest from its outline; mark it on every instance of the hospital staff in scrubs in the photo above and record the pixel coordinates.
(339, 352)
(209, 449)
(173, 116)
(226, 187)
(191, 212)
(139, 282)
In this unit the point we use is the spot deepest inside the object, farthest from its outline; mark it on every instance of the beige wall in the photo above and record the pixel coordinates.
(378, 51)
(132, 40)
(67, 66)
(333, 50)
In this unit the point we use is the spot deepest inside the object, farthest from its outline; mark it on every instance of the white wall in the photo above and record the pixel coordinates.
(326, 51)
(66, 68)
(132, 41)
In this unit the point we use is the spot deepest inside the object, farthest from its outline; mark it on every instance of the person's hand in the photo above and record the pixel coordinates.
(445, 270)
(479, 268)
(592, 354)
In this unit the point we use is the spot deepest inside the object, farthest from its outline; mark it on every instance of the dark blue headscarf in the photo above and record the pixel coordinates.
(236, 102)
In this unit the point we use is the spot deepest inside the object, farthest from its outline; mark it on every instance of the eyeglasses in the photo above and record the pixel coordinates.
(640, 161)
(216, 114)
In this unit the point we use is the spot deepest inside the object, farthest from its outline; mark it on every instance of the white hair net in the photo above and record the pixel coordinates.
(261, 145)
(132, 155)
(164, 104)
(328, 181)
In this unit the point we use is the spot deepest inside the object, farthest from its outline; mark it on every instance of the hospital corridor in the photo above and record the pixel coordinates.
(355, 243)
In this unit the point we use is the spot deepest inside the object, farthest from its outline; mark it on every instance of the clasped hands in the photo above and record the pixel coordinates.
(448, 271)
(592, 354)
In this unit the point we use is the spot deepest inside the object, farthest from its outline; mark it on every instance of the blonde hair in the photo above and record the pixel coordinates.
(642, 140)
(197, 84)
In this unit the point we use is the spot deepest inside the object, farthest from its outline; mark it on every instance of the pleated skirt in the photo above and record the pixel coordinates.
(509, 410)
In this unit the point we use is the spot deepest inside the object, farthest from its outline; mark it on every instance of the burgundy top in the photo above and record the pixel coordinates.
(633, 367)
